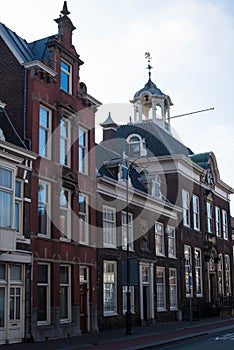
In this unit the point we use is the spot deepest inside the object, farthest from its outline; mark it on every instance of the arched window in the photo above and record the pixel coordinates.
(136, 146)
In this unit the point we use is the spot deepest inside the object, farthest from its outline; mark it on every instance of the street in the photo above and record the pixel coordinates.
(213, 341)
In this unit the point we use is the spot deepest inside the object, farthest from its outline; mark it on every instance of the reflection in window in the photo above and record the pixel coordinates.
(43, 208)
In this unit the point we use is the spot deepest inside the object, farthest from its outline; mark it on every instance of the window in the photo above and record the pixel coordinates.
(196, 213)
(43, 208)
(227, 275)
(83, 151)
(220, 275)
(6, 197)
(186, 208)
(131, 289)
(173, 289)
(43, 294)
(225, 225)
(83, 218)
(18, 207)
(188, 270)
(109, 227)
(124, 224)
(44, 149)
(217, 222)
(209, 216)
(161, 288)
(65, 214)
(171, 242)
(65, 293)
(109, 288)
(159, 239)
(66, 77)
(65, 142)
(198, 271)
(134, 146)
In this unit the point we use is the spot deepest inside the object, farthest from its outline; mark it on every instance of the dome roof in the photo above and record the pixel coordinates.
(151, 88)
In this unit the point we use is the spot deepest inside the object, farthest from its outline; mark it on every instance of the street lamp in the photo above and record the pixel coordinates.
(126, 169)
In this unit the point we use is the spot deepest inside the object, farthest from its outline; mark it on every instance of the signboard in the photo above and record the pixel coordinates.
(129, 264)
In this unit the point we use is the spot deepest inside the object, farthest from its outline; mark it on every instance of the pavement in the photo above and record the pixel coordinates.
(142, 337)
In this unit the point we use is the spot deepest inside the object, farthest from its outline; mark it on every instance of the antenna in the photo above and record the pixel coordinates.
(202, 110)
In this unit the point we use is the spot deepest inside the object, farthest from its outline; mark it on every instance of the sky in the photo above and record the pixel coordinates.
(191, 45)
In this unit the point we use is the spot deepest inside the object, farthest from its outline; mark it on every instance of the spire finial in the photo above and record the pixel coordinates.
(65, 11)
(149, 58)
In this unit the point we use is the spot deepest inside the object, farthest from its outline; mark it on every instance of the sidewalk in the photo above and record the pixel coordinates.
(143, 337)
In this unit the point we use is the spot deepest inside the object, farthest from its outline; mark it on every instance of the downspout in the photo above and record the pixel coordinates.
(25, 111)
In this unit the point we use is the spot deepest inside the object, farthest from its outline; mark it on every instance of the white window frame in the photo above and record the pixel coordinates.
(68, 286)
(196, 213)
(47, 208)
(161, 289)
(188, 271)
(225, 224)
(186, 208)
(217, 222)
(48, 305)
(220, 275)
(111, 230)
(47, 148)
(209, 216)
(65, 140)
(110, 279)
(83, 151)
(84, 220)
(124, 294)
(159, 239)
(68, 74)
(198, 272)
(173, 295)
(124, 231)
(228, 288)
(10, 190)
(134, 141)
(171, 236)
(67, 210)
(154, 186)
(19, 202)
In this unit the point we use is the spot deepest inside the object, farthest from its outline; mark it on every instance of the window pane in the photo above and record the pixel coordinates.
(17, 189)
(15, 273)
(64, 278)
(16, 225)
(2, 272)
(5, 178)
(63, 302)
(42, 208)
(42, 274)
(5, 208)
(44, 120)
(81, 137)
(41, 303)
(2, 306)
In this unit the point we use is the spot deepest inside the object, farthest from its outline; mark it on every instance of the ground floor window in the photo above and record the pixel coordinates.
(109, 288)
(161, 288)
(173, 289)
(65, 293)
(43, 293)
(125, 288)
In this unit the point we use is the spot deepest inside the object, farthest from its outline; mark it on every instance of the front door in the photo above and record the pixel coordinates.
(84, 299)
(11, 303)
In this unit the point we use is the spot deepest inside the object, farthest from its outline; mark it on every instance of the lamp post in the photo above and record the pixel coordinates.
(128, 314)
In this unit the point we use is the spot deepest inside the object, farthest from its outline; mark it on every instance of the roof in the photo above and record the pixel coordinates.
(201, 159)
(8, 130)
(24, 51)
(158, 142)
(149, 87)
(109, 122)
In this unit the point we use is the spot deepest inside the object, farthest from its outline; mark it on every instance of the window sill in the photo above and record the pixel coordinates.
(110, 315)
(162, 310)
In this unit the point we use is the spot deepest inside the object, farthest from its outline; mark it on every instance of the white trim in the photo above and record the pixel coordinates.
(40, 65)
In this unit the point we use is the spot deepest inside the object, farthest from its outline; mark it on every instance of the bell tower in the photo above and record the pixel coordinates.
(150, 103)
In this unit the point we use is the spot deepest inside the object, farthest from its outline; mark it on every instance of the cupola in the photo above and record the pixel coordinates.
(109, 128)
(150, 103)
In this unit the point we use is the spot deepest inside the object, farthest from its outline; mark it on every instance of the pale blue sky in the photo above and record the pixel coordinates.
(190, 41)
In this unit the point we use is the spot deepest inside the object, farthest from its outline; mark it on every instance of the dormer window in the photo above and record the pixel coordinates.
(66, 77)
(136, 146)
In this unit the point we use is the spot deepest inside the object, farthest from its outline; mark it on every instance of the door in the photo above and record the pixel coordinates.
(213, 289)
(15, 315)
(84, 299)
(145, 302)
(2, 315)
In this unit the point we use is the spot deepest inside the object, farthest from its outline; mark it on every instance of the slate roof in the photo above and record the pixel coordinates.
(149, 87)
(158, 142)
(37, 50)
(9, 131)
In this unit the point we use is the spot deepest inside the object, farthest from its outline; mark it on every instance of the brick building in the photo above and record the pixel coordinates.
(179, 220)
(53, 115)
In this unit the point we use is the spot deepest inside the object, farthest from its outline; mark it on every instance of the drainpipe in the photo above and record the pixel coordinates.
(25, 110)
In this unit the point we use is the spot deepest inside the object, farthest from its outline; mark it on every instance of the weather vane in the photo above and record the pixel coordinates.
(149, 58)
